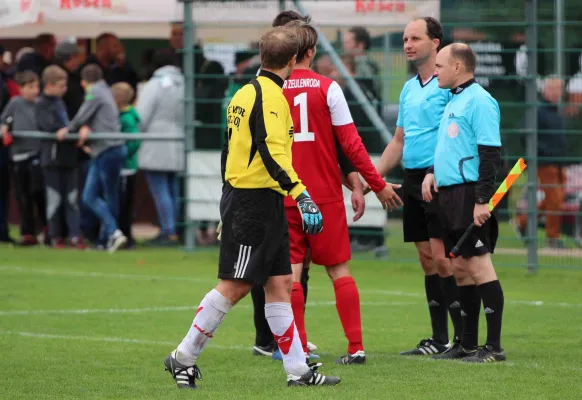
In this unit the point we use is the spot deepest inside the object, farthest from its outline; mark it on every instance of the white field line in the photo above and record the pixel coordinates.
(85, 274)
(109, 339)
(171, 345)
(7, 313)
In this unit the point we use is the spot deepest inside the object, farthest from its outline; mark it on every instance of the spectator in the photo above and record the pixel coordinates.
(68, 57)
(5, 167)
(41, 57)
(324, 66)
(7, 70)
(130, 120)
(19, 115)
(357, 41)
(58, 159)
(161, 111)
(99, 113)
(552, 146)
(110, 56)
(371, 138)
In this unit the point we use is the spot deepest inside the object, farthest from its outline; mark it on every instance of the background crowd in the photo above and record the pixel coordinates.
(70, 193)
(23, 174)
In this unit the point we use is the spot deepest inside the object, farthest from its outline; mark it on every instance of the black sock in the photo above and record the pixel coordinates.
(451, 293)
(493, 300)
(263, 335)
(437, 308)
(304, 280)
(470, 308)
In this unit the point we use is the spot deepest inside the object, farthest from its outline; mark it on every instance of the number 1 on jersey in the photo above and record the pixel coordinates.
(303, 135)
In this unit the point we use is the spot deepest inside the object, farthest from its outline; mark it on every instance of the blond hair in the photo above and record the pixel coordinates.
(53, 74)
(306, 35)
(278, 46)
(123, 93)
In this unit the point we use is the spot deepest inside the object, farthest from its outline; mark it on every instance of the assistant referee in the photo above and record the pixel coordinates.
(467, 155)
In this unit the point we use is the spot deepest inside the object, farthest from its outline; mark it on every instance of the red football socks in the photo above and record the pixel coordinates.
(347, 301)
(298, 306)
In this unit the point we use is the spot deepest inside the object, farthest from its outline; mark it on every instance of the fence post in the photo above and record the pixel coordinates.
(559, 61)
(386, 67)
(189, 127)
(532, 134)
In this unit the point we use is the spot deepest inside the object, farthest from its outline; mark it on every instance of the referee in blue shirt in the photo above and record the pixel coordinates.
(421, 107)
(467, 155)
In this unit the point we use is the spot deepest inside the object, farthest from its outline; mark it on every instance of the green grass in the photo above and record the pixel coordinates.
(115, 349)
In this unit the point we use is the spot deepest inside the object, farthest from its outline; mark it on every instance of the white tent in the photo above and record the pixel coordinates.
(215, 21)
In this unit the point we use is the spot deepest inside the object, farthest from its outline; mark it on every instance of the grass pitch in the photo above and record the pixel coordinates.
(86, 325)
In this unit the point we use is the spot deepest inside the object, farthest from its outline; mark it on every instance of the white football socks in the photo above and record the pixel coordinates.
(208, 318)
(280, 319)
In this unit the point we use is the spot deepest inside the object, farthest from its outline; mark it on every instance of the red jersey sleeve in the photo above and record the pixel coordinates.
(349, 139)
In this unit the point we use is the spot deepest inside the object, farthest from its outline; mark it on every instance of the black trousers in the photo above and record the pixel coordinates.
(62, 190)
(30, 195)
(127, 206)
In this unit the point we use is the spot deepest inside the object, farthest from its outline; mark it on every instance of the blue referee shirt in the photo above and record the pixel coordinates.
(419, 114)
(470, 119)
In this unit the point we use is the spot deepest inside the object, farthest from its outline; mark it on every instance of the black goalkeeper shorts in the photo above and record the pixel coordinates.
(255, 236)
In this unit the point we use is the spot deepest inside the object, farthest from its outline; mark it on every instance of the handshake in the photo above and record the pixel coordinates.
(313, 220)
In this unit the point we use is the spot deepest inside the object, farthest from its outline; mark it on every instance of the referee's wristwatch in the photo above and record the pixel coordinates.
(481, 200)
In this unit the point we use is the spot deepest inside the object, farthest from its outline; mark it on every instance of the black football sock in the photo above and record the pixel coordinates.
(304, 280)
(437, 308)
(263, 335)
(451, 293)
(470, 308)
(493, 300)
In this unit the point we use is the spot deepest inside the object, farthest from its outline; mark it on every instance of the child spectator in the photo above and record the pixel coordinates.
(99, 113)
(130, 120)
(19, 115)
(59, 159)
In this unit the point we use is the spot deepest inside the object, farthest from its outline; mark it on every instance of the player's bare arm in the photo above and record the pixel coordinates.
(392, 153)
(358, 200)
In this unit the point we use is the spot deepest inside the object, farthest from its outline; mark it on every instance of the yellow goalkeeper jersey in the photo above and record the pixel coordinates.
(259, 136)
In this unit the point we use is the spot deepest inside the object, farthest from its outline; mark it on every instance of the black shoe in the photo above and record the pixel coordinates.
(427, 347)
(486, 354)
(267, 350)
(184, 376)
(358, 357)
(312, 378)
(455, 353)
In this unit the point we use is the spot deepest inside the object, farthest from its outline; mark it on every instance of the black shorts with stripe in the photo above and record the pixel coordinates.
(255, 236)
(457, 204)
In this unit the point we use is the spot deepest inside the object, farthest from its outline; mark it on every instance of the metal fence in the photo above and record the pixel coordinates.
(519, 45)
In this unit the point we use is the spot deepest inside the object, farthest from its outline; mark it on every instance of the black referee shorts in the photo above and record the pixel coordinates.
(420, 221)
(457, 204)
(255, 236)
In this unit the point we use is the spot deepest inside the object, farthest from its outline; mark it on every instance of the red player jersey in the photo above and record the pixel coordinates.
(320, 115)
